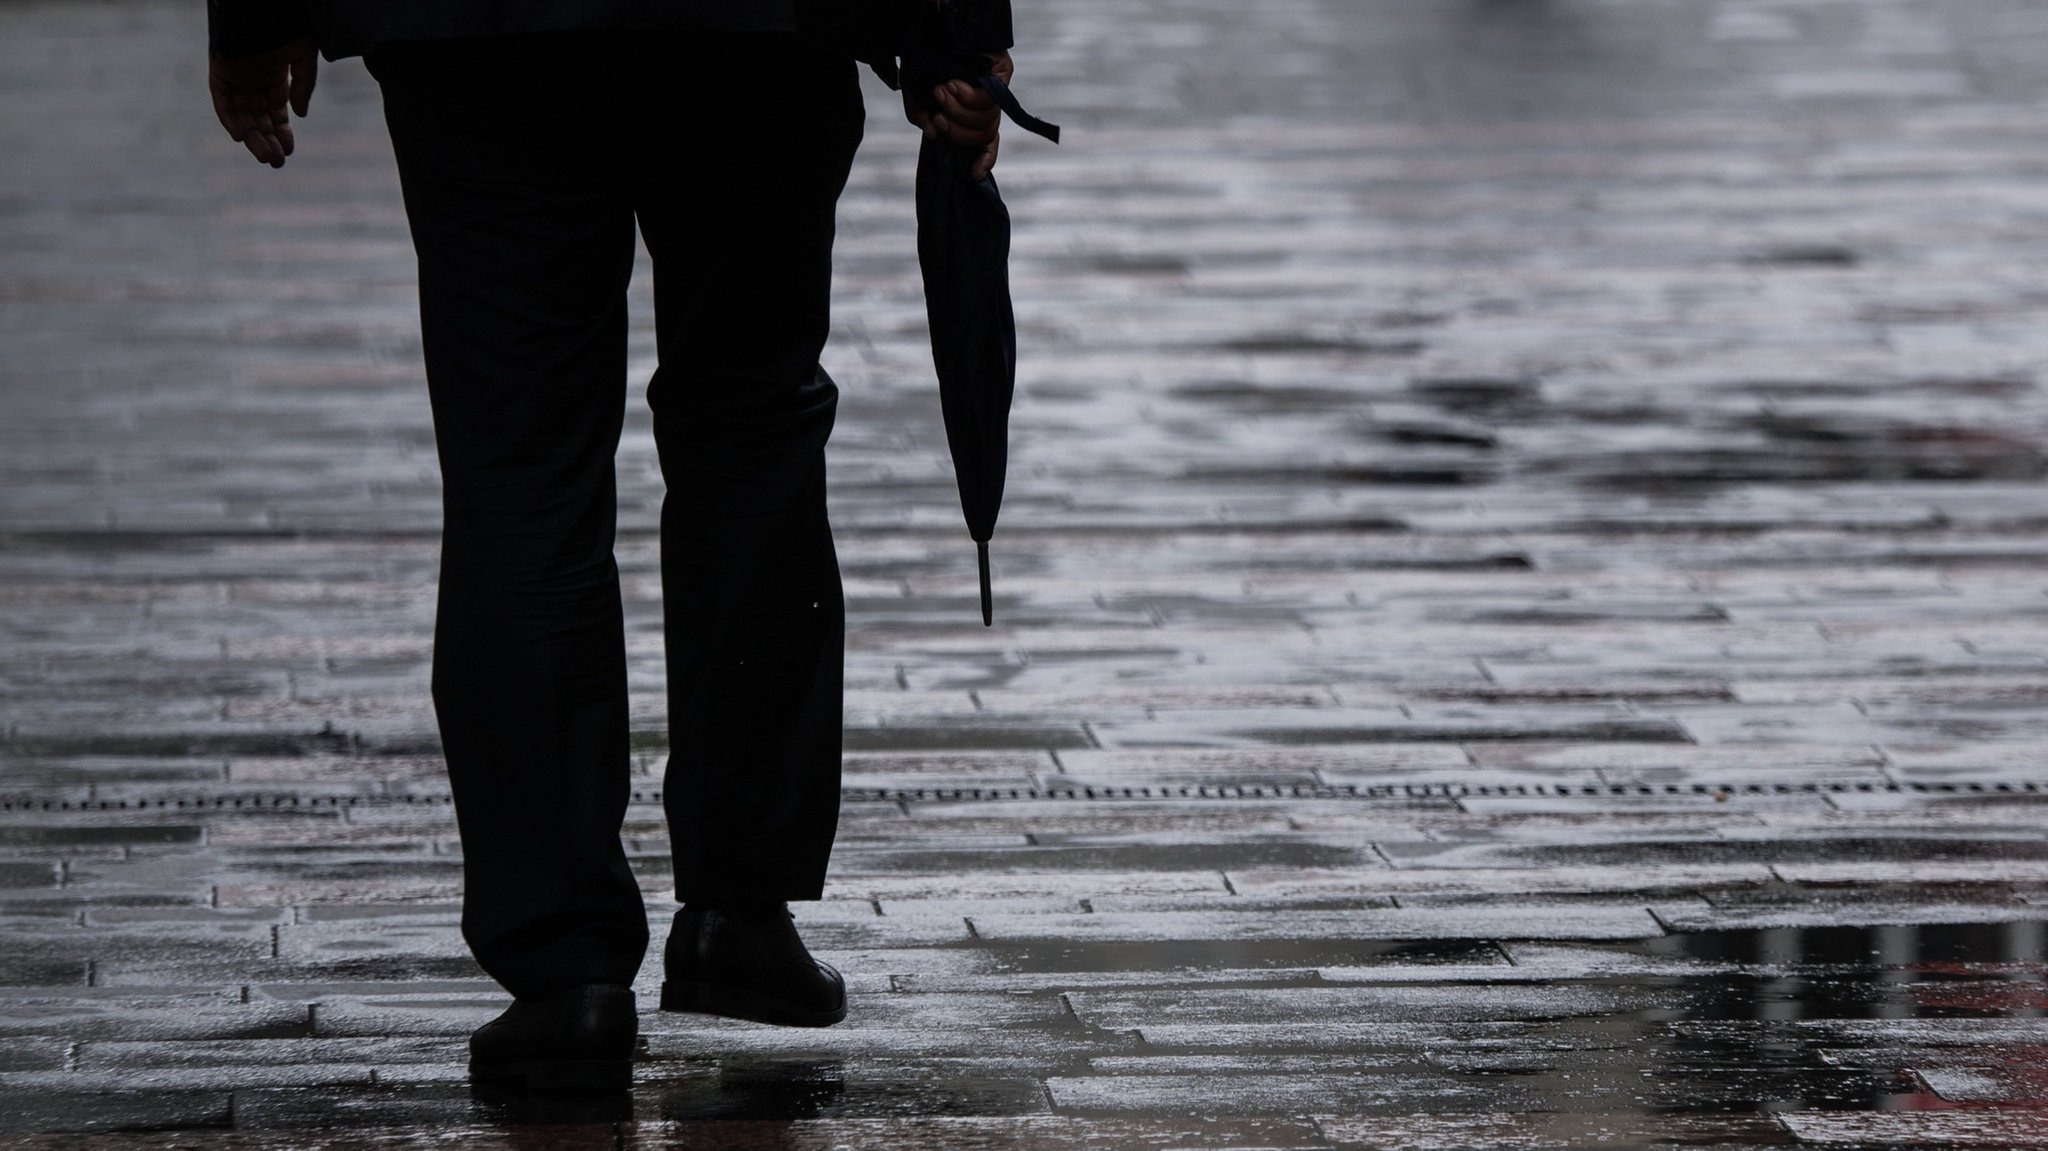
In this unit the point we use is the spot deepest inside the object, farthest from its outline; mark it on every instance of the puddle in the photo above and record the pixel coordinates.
(795, 1089)
(1152, 956)
(1950, 970)
(790, 1089)
(1662, 1034)
(1821, 1019)
(1737, 1022)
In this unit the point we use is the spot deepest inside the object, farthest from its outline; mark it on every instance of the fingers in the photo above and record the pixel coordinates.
(223, 108)
(266, 131)
(305, 70)
(986, 163)
(281, 131)
(967, 115)
(254, 98)
(967, 102)
(257, 133)
(261, 138)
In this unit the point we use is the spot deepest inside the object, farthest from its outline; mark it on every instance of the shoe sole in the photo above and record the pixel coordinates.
(741, 1003)
(558, 1074)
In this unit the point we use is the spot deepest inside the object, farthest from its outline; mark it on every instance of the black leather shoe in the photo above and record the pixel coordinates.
(748, 967)
(575, 1040)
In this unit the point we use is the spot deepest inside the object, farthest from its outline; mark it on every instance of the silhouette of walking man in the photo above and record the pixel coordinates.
(530, 139)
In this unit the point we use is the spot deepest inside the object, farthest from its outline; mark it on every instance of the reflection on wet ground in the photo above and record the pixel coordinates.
(1964, 970)
(1778, 1020)
(1521, 608)
(789, 1089)
(1730, 1038)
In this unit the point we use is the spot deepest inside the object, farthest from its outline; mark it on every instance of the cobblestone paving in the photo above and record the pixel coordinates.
(1520, 611)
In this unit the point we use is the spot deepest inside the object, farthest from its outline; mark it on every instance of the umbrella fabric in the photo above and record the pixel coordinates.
(963, 249)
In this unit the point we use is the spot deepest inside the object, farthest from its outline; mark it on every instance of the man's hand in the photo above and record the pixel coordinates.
(967, 115)
(250, 94)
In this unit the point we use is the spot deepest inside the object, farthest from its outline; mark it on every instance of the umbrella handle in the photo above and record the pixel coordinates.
(1007, 101)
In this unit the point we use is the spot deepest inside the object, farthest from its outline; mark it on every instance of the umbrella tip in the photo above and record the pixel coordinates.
(987, 607)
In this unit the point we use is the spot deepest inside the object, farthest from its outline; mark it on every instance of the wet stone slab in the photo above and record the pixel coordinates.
(1519, 608)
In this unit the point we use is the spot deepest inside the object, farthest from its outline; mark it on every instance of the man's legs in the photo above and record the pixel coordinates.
(738, 214)
(520, 215)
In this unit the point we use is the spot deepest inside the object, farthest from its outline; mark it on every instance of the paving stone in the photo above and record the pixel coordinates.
(27, 875)
(298, 1074)
(336, 941)
(1498, 881)
(1283, 905)
(1253, 1094)
(1376, 725)
(900, 893)
(1981, 1085)
(419, 914)
(1733, 843)
(1916, 871)
(588, 1136)
(83, 1019)
(1015, 978)
(60, 835)
(1337, 1036)
(1723, 803)
(404, 1015)
(1970, 1128)
(1327, 763)
(1553, 922)
(996, 1050)
(382, 1050)
(1517, 961)
(1926, 817)
(433, 1106)
(787, 1089)
(1490, 484)
(1513, 1132)
(217, 942)
(34, 1054)
(1055, 1133)
(32, 1109)
(1398, 1002)
(385, 890)
(1131, 820)
(1851, 912)
(1104, 854)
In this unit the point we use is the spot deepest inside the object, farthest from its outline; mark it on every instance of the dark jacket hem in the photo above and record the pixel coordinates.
(868, 30)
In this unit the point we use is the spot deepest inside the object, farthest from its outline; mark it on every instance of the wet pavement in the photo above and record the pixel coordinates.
(1520, 613)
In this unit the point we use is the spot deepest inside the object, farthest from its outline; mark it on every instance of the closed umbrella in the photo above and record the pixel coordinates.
(963, 249)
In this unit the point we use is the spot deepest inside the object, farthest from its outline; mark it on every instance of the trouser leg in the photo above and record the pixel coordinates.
(740, 226)
(524, 235)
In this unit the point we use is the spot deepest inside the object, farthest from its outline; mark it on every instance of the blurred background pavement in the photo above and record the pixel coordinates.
(1521, 616)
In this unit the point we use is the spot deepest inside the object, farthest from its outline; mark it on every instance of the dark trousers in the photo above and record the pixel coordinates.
(525, 163)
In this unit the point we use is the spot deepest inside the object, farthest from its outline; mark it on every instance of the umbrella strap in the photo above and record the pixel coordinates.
(1007, 101)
